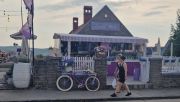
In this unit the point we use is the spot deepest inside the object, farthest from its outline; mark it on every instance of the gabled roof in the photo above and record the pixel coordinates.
(167, 47)
(103, 23)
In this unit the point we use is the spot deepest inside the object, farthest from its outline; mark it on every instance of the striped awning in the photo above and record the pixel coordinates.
(98, 38)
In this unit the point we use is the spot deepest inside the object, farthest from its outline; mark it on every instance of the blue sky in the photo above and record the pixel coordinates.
(144, 18)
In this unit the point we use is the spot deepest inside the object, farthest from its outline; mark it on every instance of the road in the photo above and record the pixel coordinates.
(161, 100)
(102, 95)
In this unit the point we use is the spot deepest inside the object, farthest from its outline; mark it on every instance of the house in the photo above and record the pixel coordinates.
(96, 29)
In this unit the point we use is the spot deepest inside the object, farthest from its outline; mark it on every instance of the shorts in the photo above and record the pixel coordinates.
(121, 79)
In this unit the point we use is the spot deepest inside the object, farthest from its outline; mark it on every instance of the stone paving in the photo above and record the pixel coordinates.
(76, 95)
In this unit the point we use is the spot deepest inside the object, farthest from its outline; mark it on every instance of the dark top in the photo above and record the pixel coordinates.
(121, 74)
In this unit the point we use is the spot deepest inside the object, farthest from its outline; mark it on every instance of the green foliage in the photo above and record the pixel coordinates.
(175, 36)
(39, 57)
(50, 48)
(166, 53)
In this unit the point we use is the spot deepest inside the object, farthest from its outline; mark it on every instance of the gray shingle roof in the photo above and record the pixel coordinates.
(103, 23)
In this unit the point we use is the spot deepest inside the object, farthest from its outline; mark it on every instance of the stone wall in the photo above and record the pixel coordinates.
(159, 80)
(45, 73)
(100, 68)
(170, 80)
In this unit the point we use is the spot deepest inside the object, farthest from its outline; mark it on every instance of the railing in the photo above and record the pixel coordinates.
(171, 65)
(81, 63)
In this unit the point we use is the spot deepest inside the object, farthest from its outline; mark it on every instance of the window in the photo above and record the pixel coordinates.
(64, 47)
(89, 11)
(127, 46)
(83, 46)
(86, 11)
(105, 15)
(116, 47)
(75, 21)
(74, 47)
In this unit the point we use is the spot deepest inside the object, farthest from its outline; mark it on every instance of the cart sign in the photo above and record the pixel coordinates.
(105, 26)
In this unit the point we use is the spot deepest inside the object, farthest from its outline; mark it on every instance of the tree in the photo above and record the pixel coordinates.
(175, 36)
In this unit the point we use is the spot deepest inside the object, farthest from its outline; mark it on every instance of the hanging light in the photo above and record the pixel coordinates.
(8, 19)
(4, 12)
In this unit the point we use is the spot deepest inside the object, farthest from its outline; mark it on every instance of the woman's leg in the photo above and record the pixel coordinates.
(118, 87)
(126, 88)
(117, 90)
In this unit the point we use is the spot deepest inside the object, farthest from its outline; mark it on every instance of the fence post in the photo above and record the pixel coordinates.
(155, 76)
(100, 70)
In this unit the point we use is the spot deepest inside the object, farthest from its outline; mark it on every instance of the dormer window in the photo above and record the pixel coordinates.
(75, 21)
(105, 15)
(89, 11)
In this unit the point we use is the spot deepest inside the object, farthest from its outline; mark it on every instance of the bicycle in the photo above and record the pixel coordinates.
(85, 78)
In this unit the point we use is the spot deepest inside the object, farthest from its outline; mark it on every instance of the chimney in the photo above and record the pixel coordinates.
(75, 23)
(87, 13)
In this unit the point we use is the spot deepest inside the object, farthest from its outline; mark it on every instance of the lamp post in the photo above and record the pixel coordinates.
(21, 14)
(32, 12)
(171, 49)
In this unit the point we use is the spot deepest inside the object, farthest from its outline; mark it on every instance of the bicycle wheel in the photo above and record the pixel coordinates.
(92, 83)
(64, 83)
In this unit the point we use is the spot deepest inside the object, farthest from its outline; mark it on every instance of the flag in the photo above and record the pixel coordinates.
(29, 20)
(29, 5)
(26, 31)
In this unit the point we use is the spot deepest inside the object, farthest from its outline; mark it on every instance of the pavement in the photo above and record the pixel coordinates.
(157, 100)
(33, 95)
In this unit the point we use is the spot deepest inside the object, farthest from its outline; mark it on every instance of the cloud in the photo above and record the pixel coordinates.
(1, 1)
(64, 16)
(61, 5)
(153, 13)
(161, 7)
(141, 17)
(118, 3)
(68, 4)
(119, 0)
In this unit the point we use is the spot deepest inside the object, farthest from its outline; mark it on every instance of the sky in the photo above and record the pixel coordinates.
(148, 19)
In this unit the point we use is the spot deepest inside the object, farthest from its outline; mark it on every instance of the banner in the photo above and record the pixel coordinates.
(29, 20)
(29, 5)
(25, 30)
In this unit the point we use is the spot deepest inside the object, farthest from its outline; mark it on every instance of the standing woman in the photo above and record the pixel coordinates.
(121, 76)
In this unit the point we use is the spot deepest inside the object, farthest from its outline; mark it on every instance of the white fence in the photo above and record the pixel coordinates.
(81, 63)
(145, 67)
(171, 65)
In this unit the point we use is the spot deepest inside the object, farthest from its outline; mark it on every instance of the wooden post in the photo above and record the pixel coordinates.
(171, 49)
(144, 54)
(108, 53)
(69, 49)
(59, 52)
(133, 47)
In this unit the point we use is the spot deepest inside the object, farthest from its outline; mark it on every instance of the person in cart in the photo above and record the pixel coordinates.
(100, 51)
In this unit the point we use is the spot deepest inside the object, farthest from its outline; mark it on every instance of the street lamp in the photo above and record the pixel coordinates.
(171, 49)
(172, 44)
